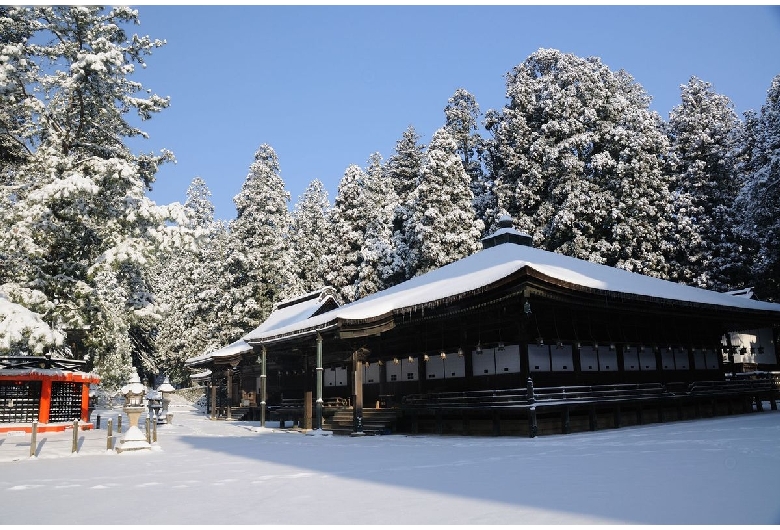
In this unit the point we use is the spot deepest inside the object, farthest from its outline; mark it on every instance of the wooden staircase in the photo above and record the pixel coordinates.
(375, 421)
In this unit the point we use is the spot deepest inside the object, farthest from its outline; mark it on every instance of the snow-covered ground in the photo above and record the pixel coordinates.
(714, 471)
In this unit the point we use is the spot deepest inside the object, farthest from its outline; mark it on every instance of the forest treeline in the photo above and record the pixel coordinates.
(91, 267)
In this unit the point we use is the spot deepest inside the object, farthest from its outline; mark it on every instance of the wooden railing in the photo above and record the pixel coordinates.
(523, 397)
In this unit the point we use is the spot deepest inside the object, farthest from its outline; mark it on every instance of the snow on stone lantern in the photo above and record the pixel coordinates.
(154, 404)
(166, 389)
(133, 439)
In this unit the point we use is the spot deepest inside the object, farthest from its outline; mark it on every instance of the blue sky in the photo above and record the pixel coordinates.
(327, 86)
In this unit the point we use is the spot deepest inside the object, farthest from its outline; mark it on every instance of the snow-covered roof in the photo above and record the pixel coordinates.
(292, 312)
(496, 263)
(286, 313)
(230, 350)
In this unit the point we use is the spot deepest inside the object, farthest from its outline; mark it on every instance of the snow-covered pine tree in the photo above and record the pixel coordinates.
(77, 206)
(704, 131)
(577, 160)
(308, 239)
(759, 201)
(403, 172)
(461, 121)
(379, 202)
(443, 224)
(188, 284)
(348, 221)
(258, 256)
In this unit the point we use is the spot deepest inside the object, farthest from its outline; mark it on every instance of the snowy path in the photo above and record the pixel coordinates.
(716, 471)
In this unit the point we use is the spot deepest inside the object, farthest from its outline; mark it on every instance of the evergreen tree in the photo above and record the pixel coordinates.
(462, 119)
(258, 259)
(443, 224)
(378, 258)
(80, 229)
(704, 131)
(759, 201)
(348, 220)
(577, 159)
(403, 172)
(308, 238)
(188, 286)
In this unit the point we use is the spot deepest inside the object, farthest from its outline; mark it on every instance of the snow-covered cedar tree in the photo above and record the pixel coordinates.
(577, 154)
(379, 202)
(258, 255)
(704, 132)
(23, 331)
(443, 222)
(759, 200)
(308, 239)
(402, 169)
(349, 218)
(75, 215)
(462, 121)
(188, 283)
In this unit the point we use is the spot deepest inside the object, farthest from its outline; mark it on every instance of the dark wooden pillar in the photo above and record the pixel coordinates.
(318, 424)
(213, 400)
(229, 374)
(358, 358)
(263, 386)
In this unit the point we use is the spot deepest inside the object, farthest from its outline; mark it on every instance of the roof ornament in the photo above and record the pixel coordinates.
(506, 233)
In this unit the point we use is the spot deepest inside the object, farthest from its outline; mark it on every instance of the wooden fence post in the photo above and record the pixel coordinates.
(33, 438)
(75, 447)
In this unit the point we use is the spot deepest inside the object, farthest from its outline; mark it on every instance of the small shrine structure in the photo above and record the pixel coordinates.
(53, 392)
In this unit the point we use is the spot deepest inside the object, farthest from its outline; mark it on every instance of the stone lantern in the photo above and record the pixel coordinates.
(166, 389)
(154, 404)
(133, 439)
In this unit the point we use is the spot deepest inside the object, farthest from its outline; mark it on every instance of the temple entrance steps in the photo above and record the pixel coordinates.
(374, 421)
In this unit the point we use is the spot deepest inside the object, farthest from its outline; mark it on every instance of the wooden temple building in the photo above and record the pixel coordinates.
(510, 340)
(50, 391)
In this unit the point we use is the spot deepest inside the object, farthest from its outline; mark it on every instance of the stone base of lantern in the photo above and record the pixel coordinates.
(133, 439)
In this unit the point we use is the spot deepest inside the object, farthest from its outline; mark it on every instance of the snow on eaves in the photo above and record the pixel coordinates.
(493, 264)
(235, 348)
(286, 314)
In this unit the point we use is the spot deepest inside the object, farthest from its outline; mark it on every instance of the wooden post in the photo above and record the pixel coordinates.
(148, 431)
(45, 407)
(229, 373)
(85, 402)
(213, 400)
(119, 424)
(532, 426)
(154, 431)
(320, 368)
(263, 386)
(357, 393)
(307, 410)
(75, 446)
(566, 421)
(592, 418)
(109, 436)
(33, 438)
